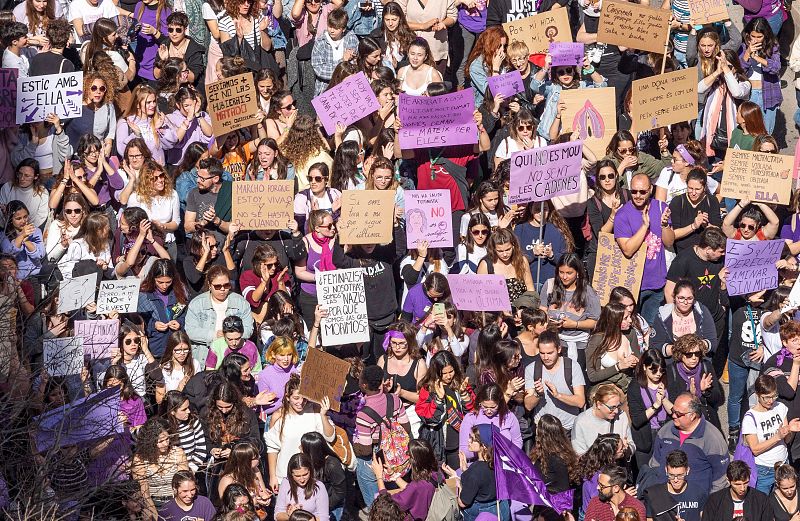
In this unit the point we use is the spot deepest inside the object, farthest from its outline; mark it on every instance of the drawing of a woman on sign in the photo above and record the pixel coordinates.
(416, 224)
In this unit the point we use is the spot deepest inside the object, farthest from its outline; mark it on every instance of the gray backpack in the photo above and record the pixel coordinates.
(444, 505)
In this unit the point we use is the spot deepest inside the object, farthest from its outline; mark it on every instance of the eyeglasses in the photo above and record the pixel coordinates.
(675, 477)
(177, 30)
(524, 127)
(769, 397)
(317, 179)
(600, 486)
(220, 287)
(181, 351)
(135, 340)
(400, 343)
(96, 88)
(612, 408)
(327, 226)
(270, 265)
(684, 299)
(640, 192)
(135, 156)
(745, 226)
(678, 414)
(629, 150)
(73, 211)
(603, 177)
(289, 107)
(481, 233)
(693, 354)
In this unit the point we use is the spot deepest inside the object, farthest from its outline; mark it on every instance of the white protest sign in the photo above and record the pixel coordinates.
(342, 293)
(793, 302)
(63, 356)
(59, 94)
(76, 292)
(99, 336)
(121, 295)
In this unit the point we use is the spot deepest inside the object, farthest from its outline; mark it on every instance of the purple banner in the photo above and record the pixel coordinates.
(346, 103)
(751, 265)
(506, 84)
(479, 292)
(539, 174)
(566, 53)
(81, 421)
(438, 121)
(428, 218)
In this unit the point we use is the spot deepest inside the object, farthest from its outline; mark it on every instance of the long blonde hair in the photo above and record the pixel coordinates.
(139, 97)
(145, 189)
(708, 65)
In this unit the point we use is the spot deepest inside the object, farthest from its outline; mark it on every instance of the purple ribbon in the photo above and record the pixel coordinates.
(783, 354)
(392, 333)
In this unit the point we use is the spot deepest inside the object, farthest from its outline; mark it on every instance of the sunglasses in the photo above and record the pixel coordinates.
(693, 354)
(220, 287)
(215, 245)
(656, 369)
(318, 179)
(630, 150)
(327, 226)
(640, 192)
(270, 265)
(524, 127)
(178, 30)
(563, 72)
(678, 414)
(603, 177)
(180, 351)
(289, 107)
(137, 341)
(744, 226)
(159, 176)
(477, 233)
(96, 88)
(71, 211)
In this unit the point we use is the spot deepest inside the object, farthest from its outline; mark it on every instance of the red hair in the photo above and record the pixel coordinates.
(486, 46)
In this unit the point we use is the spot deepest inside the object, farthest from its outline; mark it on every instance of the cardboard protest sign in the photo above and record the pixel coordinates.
(566, 53)
(76, 292)
(263, 205)
(59, 94)
(232, 103)
(662, 100)
(8, 98)
(479, 292)
(438, 121)
(322, 375)
(367, 217)
(540, 174)
(703, 12)
(751, 265)
(540, 30)
(758, 176)
(79, 422)
(506, 84)
(99, 336)
(63, 356)
(342, 293)
(592, 113)
(346, 103)
(634, 26)
(120, 295)
(613, 269)
(428, 218)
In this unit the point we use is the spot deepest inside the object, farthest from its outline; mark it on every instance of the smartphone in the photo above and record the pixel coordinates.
(438, 308)
(379, 456)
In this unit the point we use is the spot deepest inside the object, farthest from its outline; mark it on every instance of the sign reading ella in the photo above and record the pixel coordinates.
(59, 94)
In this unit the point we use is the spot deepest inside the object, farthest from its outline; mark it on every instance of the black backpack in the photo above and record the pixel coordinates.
(567, 363)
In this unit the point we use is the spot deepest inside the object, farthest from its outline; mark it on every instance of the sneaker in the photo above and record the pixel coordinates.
(363, 514)
(733, 440)
(724, 378)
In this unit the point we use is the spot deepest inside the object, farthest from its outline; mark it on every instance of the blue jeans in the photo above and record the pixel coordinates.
(471, 513)
(757, 97)
(336, 513)
(680, 60)
(775, 23)
(737, 393)
(649, 301)
(766, 478)
(367, 481)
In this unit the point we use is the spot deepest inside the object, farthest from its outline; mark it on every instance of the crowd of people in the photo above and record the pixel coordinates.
(617, 399)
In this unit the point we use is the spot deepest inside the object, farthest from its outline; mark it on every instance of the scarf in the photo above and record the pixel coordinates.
(326, 257)
(712, 114)
(660, 417)
(337, 47)
(387, 339)
(686, 374)
(783, 354)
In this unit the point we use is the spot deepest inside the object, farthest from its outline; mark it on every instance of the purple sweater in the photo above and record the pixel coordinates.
(317, 504)
(147, 44)
(761, 8)
(509, 428)
(416, 497)
(274, 378)
(770, 81)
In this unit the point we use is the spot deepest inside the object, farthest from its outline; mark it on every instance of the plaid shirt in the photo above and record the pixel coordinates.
(322, 59)
(771, 81)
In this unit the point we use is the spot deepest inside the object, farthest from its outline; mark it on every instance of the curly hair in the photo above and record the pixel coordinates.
(687, 344)
(232, 8)
(145, 187)
(302, 141)
(384, 508)
(109, 80)
(147, 439)
(552, 440)
(602, 452)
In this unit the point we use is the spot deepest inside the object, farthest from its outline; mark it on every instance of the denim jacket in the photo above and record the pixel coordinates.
(201, 317)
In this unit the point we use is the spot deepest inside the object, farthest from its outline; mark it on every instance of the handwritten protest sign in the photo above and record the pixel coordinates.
(662, 100)
(751, 265)
(346, 103)
(758, 176)
(79, 422)
(232, 103)
(263, 205)
(634, 26)
(99, 336)
(506, 84)
(323, 375)
(438, 121)
(793, 299)
(566, 53)
(60, 94)
(703, 12)
(592, 113)
(428, 218)
(120, 295)
(342, 293)
(479, 292)
(539, 31)
(76, 292)
(613, 269)
(367, 217)
(8, 98)
(63, 356)
(540, 174)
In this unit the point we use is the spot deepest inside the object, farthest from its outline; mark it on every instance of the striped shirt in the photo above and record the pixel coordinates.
(192, 440)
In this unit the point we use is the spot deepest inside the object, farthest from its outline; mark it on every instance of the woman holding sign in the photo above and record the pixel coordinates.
(504, 257)
(522, 135)
(421, 70)
(487, 58)
(319, 257)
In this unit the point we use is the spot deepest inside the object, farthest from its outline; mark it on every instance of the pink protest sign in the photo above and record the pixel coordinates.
(541, 173)
(346, 103)
(99, 336)
(438, 121)
(506, 84)
(8, 98)
(479, 292)
(566, 53)
(428, 218)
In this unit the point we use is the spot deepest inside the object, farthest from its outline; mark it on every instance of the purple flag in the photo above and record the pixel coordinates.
(519, 480)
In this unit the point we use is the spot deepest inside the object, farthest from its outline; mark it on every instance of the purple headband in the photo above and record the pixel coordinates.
(392, 333)
(681, 149)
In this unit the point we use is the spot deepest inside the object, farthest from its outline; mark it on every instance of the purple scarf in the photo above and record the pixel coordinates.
(782, 355)
(660, 417)
(695, 373)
